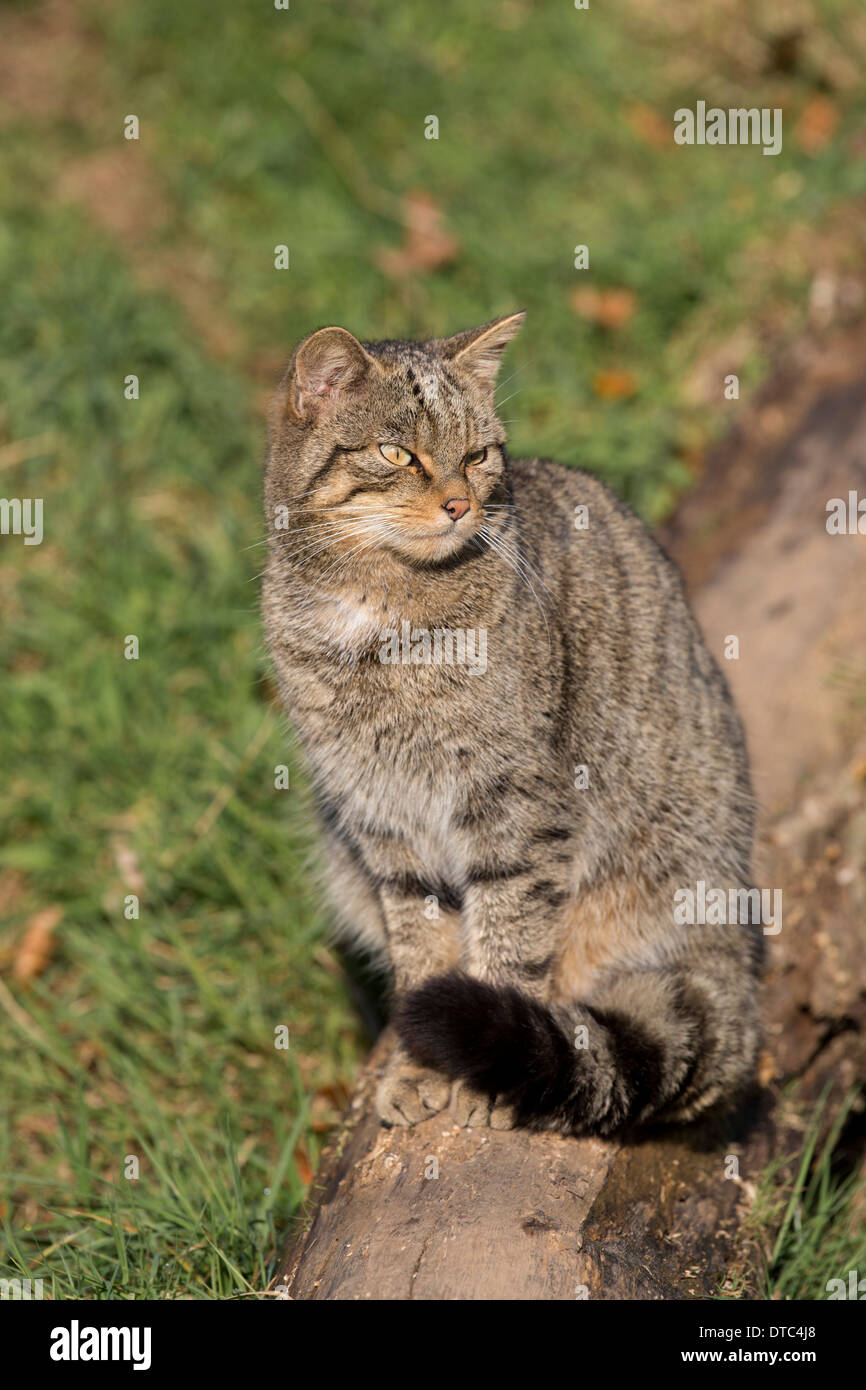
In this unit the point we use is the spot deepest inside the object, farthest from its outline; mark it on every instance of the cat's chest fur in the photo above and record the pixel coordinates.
(392, 779)
(395, 747)
(346, 623)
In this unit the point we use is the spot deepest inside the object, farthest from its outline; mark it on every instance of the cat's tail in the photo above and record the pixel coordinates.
(663, 1047)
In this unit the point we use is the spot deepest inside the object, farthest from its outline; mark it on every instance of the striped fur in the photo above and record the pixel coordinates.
(525, 911)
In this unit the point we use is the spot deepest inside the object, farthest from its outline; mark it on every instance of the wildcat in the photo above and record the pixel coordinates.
(509, 840)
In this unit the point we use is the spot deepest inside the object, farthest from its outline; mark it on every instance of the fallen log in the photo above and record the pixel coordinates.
(438, 1212)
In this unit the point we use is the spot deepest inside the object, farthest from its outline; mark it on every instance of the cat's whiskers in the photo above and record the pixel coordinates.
(371, 531)
(325, 530)
(323, 543)
(300, 511)
(514, 563)
(505, 380)
(522, 558)
(512, 508)
(342, 561)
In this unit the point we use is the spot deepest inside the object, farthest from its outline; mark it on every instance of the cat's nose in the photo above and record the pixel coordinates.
(456, 507)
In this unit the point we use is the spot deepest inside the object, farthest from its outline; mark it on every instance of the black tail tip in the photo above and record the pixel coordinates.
(440, 1022)
(493, 1038)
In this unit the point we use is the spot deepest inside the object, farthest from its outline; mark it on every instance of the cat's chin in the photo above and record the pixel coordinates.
(432, 549)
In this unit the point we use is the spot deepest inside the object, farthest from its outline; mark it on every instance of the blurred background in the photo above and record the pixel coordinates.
(154, 1036)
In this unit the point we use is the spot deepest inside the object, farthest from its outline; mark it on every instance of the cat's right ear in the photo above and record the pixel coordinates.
(327, 368)
(479, 351)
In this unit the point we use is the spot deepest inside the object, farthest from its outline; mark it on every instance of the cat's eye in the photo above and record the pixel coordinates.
(394, 453)
(478, 457)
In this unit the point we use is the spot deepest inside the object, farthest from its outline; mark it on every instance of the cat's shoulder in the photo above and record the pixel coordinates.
(544, 489)
(547, 481)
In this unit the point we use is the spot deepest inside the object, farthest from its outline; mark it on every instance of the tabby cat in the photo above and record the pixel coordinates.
(507, 834)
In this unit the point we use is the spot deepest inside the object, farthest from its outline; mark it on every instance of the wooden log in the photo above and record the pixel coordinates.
(438, 1212)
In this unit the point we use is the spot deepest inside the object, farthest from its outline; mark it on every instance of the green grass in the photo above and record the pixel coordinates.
(154, 1037)
(806, 1226)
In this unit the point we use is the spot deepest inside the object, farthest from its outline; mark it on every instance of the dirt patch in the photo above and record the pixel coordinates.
(48, 61)
(119, 190)
(124, 196)
(52, 72)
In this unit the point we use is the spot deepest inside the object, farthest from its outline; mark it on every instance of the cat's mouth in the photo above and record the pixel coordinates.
(431, 545)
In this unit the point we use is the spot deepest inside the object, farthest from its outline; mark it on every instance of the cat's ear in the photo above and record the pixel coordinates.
(479, 350)
(328, 368)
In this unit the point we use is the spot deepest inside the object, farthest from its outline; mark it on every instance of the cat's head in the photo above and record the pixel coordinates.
(392, 446)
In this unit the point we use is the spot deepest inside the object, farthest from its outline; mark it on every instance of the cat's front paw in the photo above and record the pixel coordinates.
(474, 1109)
(470, 1108)
(408, 1093)
(502, 1117)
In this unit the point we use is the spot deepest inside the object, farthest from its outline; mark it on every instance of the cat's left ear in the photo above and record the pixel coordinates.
(328, 367)
(479, 350)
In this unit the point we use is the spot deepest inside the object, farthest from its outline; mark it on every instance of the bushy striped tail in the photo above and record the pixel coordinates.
(580, 1070)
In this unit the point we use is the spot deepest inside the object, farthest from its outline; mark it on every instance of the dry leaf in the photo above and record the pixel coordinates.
(89, 1051)
(337, 1094)
(817, 124)
(609, 308)
(303, 1165)
(426, 243)
(37, 944)
(614, 385)
(766, 1069)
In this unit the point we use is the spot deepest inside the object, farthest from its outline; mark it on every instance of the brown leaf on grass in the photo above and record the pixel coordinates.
(614, 385)
(37, 944)
(646, 122)
(609, 308)
(337, 1094)
(427, 244)
(89, 1051)
(817, 124)
(303, 1164)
